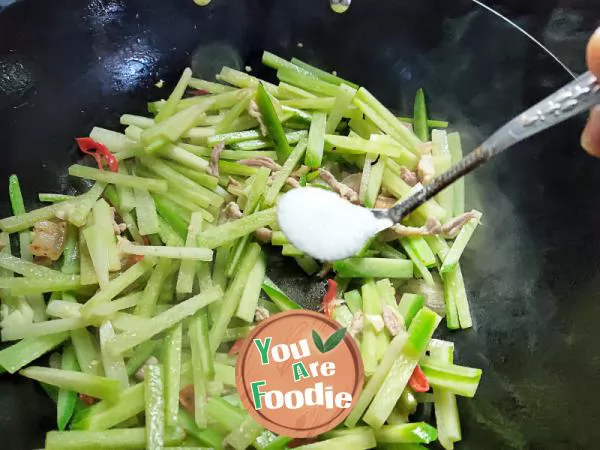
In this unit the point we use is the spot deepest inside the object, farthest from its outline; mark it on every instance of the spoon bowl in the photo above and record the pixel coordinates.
(323, 225)
(529, 271)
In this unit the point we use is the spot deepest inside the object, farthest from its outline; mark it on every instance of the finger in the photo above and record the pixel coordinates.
(590, 138)
(593, 53)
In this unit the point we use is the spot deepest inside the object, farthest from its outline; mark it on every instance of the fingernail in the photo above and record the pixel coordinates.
(586, 143)
(590, 138)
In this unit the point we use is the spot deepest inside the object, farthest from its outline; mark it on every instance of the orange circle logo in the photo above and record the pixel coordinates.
(299, 374)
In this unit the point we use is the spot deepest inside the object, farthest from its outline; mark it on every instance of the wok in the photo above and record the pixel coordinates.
(532, 270)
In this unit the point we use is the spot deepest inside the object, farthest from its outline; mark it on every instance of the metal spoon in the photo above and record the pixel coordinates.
(328, 228)
(572, 99)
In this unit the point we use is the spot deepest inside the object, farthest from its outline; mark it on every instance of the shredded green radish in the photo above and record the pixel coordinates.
(161, 272)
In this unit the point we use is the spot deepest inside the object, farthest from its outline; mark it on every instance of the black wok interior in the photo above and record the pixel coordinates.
(533, 269)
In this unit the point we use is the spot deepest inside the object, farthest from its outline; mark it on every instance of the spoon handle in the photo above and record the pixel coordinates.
(572, 99)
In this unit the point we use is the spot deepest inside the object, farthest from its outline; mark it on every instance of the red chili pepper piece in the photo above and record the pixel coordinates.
(329, 297)
(198, 92)
(236, 347)
(418, 381)
(89, 147)
(98, 151)
(85, 149)
(137, 258)
(87, 400)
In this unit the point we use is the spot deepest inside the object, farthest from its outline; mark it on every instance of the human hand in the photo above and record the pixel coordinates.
(590, 138)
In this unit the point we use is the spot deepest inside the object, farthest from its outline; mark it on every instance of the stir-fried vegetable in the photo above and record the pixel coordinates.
(157, 273)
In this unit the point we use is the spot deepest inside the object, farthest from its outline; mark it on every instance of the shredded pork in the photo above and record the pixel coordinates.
(261, 161)
(292, 182)
(408, 176)
(215, 155)
(263, 234)
(432, 227)
(253, 111)
(344, 191)
(118, 228)
(49, 238)
(392, 320)
(261, 314)
(357, 324)
(451, 228)
(234, 187)
(233, 211)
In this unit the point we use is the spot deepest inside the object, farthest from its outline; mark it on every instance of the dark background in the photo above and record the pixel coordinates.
(532, 270)
(563, 26)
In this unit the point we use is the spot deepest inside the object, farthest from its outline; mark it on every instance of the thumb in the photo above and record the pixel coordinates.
(590, 139)
(593, 53)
